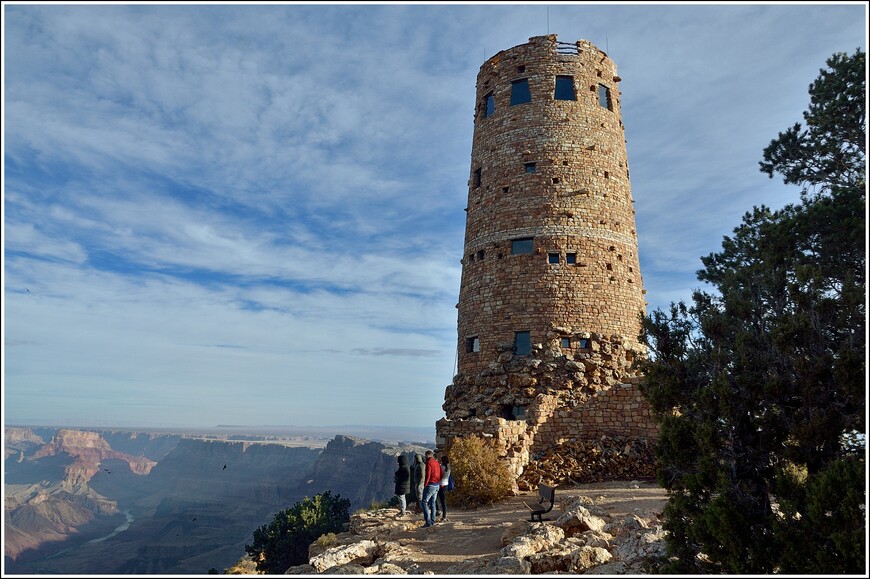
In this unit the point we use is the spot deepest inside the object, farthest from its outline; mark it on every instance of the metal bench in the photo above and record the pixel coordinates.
(544, 504)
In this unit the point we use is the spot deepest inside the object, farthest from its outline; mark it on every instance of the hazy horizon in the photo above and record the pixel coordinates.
(362, 431)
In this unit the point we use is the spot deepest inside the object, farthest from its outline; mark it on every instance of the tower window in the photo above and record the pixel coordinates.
(476, 180)
(570, 258)
(520, 92)
(530, 167)
(480, 255)
(566, 342)
(522, 343)
(488, 105)
(472, 344)
(604, 97)
(552, 258)
(565, 89)
(522, 245)
(583, 344)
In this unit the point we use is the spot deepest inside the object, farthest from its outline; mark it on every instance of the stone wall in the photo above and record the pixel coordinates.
(554, 172)
(618, 411)
(551, 295)
(527, 404)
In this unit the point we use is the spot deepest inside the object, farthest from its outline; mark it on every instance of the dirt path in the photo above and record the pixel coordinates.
(476, 534)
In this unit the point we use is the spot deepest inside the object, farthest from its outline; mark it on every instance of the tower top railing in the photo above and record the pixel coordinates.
(567, 48)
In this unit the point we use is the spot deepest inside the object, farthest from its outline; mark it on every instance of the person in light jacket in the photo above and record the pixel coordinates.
(442, 492)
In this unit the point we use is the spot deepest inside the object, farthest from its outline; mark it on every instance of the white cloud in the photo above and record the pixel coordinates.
(254, 213)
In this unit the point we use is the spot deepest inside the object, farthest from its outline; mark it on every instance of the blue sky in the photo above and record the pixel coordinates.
(253, 214)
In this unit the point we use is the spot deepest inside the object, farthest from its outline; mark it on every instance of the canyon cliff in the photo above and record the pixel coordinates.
(359, 470)
(166, 503)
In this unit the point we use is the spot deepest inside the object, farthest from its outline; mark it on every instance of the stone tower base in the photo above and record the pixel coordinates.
(529, 404)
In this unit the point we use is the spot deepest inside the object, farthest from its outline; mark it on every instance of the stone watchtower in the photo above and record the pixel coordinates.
(551, 295)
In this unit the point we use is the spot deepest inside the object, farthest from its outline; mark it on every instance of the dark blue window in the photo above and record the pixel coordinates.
(565, 89)
(530, 167)
(570, 258)
(583, 344)
(524, 245)
(520, 92)
(522, 343)
(566, 342)
(604, 97)
(488, 105)
(552, 258)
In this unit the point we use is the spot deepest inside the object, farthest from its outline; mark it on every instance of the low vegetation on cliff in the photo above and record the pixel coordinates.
(284, 542)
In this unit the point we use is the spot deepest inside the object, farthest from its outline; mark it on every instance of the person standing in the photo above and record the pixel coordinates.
(430, 491)
(442, 491)
(402, 478)
(418, 473)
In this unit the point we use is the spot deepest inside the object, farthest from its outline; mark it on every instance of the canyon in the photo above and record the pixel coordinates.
(88, 501)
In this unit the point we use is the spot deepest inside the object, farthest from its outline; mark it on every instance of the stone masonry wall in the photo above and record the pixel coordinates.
(527, 404)
(551, 296)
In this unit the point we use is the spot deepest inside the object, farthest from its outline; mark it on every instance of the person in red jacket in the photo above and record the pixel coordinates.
(430, 491)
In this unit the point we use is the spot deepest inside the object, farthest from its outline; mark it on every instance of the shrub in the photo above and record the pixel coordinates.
(326, 541)
(284, 542)
(481, 478)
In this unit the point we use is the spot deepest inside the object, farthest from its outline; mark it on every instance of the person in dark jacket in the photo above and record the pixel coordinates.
(402, 479)
(418, 470)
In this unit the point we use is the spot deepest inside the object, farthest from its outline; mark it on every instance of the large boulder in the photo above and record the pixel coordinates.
(510, 566)
(578, 520)
(541, 537)
(588, 557)
(517, 529)
(384, 569)
(568, 559)
(361, 553)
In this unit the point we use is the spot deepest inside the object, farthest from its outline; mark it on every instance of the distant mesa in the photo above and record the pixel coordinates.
(89, 449)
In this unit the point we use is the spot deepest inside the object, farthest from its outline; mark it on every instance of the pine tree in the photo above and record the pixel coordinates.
(284, 542)
(759, 386)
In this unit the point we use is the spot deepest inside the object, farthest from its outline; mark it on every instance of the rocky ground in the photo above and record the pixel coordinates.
(597, 528)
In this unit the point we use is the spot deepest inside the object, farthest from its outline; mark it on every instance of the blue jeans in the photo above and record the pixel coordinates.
(402, 504)
(430, 494)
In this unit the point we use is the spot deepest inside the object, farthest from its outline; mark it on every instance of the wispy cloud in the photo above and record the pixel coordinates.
(256, 212)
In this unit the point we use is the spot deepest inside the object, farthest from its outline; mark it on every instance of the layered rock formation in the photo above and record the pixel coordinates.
(192, 507)
(48, 496)
(20, 440)
(359, 470)
(89, 449)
